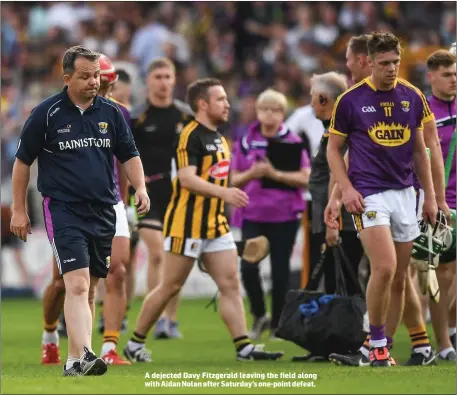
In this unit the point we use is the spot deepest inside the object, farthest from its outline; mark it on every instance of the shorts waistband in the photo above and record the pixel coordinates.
(91, 204)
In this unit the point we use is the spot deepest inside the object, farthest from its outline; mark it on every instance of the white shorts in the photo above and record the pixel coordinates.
(194, 248)
(419, 203)
(122, 225)
(395, 208)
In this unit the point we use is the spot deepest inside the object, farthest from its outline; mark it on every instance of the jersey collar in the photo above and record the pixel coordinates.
(253, 139)
(66, 99)
(441, 100)
(371, 85)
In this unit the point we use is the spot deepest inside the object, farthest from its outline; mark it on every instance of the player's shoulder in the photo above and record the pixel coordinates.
(121, 106)
(139, 109)
(409, 88)
(49, 105)
(118, 103)
(191, 129)
(108, 105)
(353, 92)
(192, 134)
(196, 132)
(183, 108)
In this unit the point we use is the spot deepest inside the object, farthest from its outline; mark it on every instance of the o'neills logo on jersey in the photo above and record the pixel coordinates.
(220, 170)
(389, 135)
(85, 143)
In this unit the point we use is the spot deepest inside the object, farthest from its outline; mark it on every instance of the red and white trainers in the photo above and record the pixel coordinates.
(113, 358)
(50, 354)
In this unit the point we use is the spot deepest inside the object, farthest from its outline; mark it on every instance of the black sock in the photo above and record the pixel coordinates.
(136, 338)
(241, 342)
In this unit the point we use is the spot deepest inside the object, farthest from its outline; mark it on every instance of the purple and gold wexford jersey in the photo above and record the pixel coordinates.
(445, 114)
(380, 127)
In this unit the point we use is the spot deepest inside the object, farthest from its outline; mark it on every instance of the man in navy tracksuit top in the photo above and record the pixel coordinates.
(75, 135)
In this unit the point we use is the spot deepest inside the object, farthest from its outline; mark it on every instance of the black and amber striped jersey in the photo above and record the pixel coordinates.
(196, 216)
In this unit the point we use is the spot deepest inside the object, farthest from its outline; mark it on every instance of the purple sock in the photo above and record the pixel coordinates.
(390, 342)
(377, 332)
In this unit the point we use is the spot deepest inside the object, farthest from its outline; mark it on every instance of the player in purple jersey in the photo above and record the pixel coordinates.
(115, 298)
(422, 353)
(441, 66)
(121, 94)
(382, 119)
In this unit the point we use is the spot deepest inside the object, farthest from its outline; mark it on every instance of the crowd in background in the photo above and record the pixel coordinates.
(248, 45)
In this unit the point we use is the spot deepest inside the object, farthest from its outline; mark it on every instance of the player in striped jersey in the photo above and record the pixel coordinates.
(196, 225)
(189, 215)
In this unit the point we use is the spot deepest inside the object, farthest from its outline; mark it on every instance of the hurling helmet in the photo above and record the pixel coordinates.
(441, 238)
(108, 73)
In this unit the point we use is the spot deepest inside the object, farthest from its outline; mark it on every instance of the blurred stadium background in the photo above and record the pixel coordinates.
(248, 45)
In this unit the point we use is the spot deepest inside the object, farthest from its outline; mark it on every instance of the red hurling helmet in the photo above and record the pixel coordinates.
(107, 70)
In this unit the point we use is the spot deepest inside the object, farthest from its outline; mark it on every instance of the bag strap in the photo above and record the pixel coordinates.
(317, 273)
(341, 288)
(449, 159)
(342, 260)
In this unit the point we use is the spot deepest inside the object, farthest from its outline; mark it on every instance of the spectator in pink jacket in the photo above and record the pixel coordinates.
(273, 213)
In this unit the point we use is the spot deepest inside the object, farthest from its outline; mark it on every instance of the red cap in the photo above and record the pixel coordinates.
(107, 70)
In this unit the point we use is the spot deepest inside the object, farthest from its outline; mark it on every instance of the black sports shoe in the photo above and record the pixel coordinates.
(357, 359)
(419, 359)
(453, 338)
(75, 370)
(139, 355)
(258, 354)
(91, 365)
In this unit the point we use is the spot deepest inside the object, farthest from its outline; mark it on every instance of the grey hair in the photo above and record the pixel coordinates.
(71, 54)
(332, 84)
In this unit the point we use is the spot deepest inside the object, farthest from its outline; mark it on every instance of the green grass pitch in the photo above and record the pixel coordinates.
(205, 349)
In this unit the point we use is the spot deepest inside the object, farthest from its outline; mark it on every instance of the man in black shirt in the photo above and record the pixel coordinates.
(75, 135)
(325, 89)
(156, 125)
